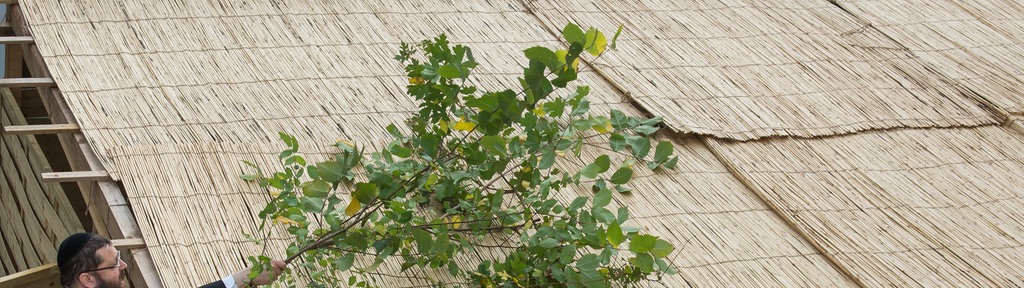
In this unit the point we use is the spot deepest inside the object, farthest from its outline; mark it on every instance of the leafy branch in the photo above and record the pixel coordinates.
(433, 194)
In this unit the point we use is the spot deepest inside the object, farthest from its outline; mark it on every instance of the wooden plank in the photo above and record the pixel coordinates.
(10, 40)
(40, 217)
(52, 199)
(82, 157)
(76, 176)
(130, 243)
(23, 248)
(27, 82)
(40, 129)
(14, 68)
(42, 276)
(6, 258)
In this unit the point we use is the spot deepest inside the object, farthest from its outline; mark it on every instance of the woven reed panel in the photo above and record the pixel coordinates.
(750, 69)
(174, 94)
(901, 208)
(980, 44)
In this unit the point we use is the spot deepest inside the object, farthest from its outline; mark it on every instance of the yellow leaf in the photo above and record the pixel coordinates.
(275, 193)
(285, 220)
(560, 153)
(456, 222)
(353, 207)
(443, 125)
(539, 111)
(347, 143)
(561, 58)
(603, 127)
(464, 126)
(416, 80)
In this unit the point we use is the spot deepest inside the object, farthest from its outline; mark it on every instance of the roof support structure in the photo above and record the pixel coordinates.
(105, 200)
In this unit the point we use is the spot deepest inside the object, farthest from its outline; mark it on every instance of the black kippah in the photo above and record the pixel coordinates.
(71, 246)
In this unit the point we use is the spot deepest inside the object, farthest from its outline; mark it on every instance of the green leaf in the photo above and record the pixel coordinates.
(577, 203)
(573, 34)
(331, 171)
(548, 243)
(671, 163)
(602, 163)
(640, 146)
(316, 188)
(567, 255)
(617, 141)
(623, 214)
(429, 144)
(424, 241)
(547, 159)
(642, 243)
(544, 55)
(345, 261)
(661, 248)
(588, 262)
(486, 102)
(366, 192)
(248, 177)
(619, 119)
(400, 151)
(645, 129)
(603, 215)
(622, 175)
(596, 42)
(615, 236)
(311, 204)
(616, 37)
(662, 152)
(602, 198)
(450, 71)
(645, 262)
(494, 144)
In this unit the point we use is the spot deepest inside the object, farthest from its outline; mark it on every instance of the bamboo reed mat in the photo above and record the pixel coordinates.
(723, 234)
(919, 207)
(980, 44)
(174, 94)
(750, 69)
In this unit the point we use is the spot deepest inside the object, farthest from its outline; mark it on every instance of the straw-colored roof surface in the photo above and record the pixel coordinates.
(173, 94)
(174, 98)
(931, 208)
(749, 69)
(978, 43)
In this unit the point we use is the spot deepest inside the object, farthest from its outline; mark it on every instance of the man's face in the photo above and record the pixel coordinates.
(112, 270)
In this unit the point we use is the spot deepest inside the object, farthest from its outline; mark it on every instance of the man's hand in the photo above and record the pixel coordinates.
(267, 277)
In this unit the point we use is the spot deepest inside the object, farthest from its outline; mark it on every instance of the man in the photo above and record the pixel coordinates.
(88, 260)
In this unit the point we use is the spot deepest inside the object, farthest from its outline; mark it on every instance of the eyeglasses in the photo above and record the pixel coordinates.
(117, 265)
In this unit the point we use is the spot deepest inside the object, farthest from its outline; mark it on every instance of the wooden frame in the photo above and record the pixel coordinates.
(106, 203)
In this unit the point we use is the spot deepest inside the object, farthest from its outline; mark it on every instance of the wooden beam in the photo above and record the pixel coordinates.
(27, 82)
(16, 40)
(40, 129)
(76, 176)
(42, 276)
(130, 243)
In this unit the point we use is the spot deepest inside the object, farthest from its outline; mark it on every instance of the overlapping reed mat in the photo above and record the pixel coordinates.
(748, 69)
(980, 44)
(174, 94)
(195, 219)
(36, 215)
(919, 207)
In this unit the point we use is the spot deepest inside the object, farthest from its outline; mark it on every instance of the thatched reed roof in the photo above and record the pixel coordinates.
(173, 94)
(980, 44)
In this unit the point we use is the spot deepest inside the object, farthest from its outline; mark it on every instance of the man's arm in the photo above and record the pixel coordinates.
(240, 279)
